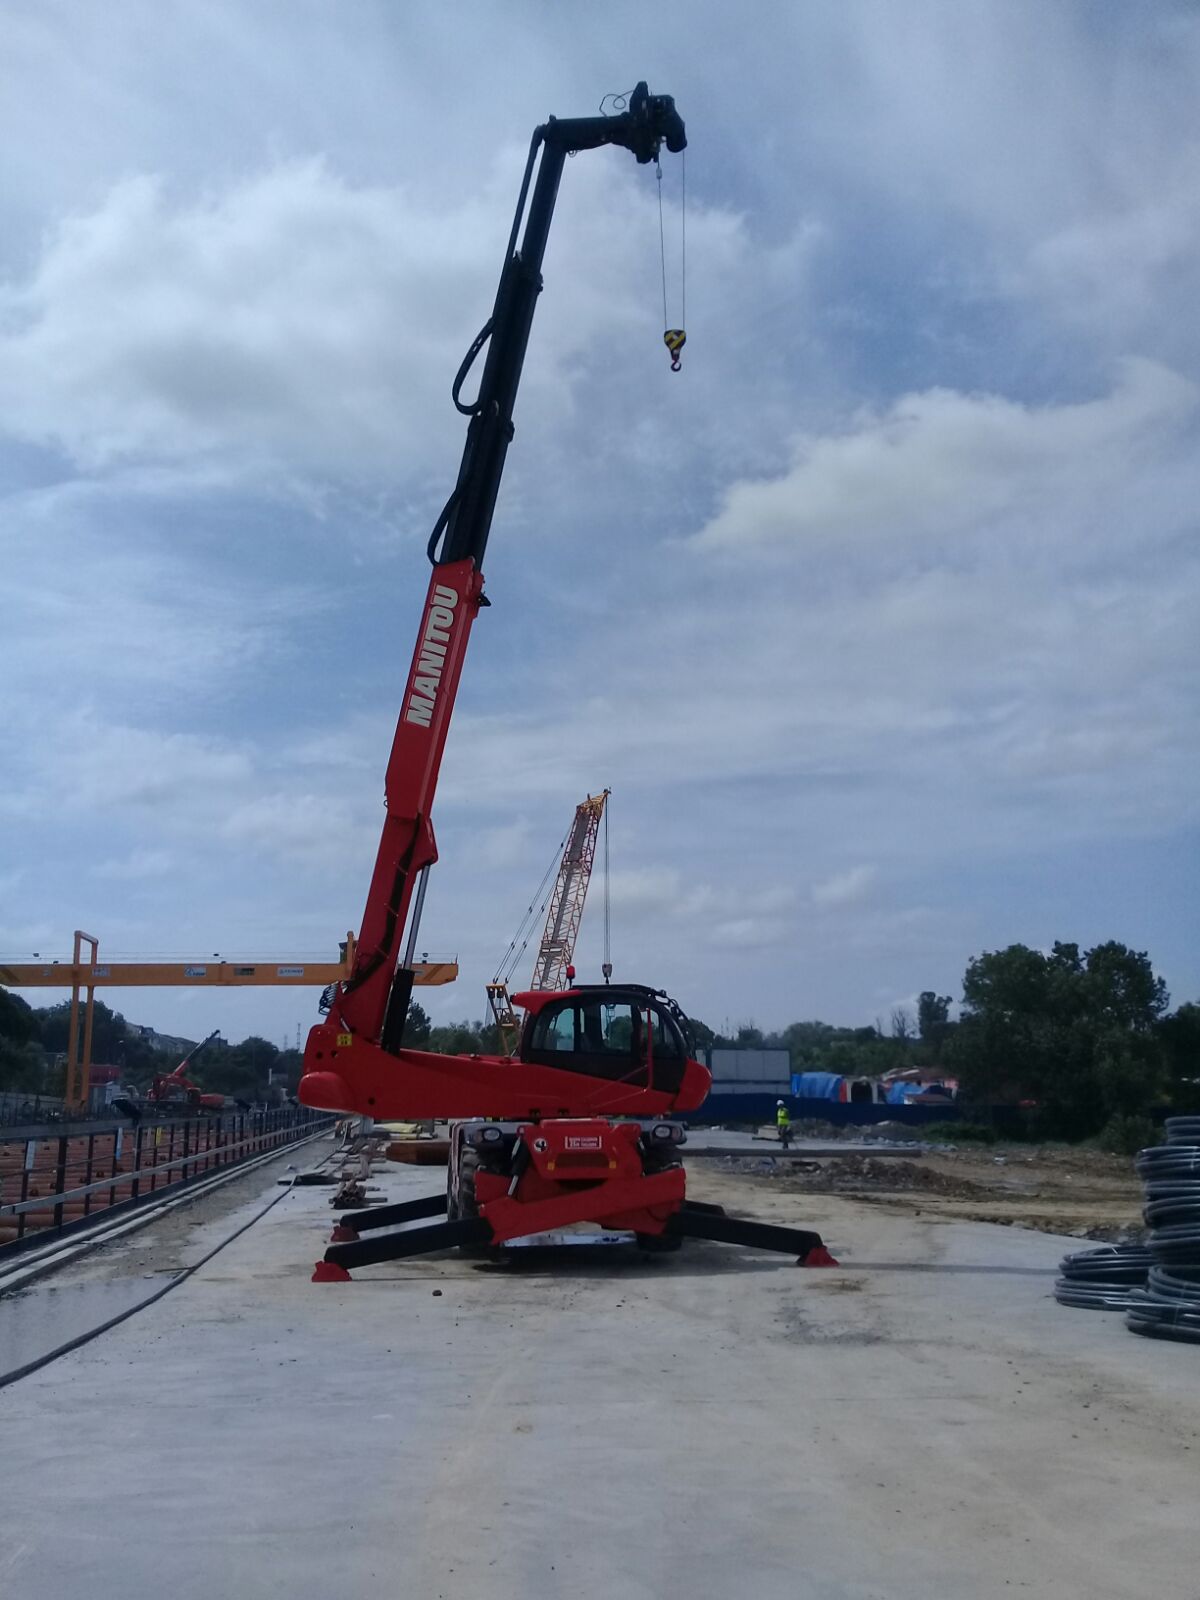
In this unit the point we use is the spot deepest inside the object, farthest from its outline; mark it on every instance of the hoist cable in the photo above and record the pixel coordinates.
(662, 243)
(508, 962)
(683, 240)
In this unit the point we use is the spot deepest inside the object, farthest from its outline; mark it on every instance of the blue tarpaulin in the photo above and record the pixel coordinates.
(819, 1086)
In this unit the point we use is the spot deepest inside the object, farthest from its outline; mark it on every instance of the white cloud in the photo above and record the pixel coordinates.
(943, 467)
(137, 864)
(845, 888)
(298, 331)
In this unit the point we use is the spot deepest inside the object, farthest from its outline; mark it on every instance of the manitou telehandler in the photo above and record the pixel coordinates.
(576, 1126)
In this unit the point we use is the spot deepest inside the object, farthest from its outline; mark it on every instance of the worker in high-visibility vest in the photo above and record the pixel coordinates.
(783, 1122)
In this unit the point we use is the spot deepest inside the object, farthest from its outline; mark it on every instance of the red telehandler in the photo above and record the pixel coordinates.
(575, 1127)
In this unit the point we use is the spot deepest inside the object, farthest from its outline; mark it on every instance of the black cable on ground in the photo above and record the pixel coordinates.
(1104, 1279)
(123, 1316)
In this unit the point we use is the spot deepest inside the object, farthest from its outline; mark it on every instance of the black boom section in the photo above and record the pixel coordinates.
(650, 121)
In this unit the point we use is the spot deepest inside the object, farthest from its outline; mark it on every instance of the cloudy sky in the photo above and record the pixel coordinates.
(879, 619)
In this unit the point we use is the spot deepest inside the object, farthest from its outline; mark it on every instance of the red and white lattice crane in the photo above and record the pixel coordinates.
(552, 967)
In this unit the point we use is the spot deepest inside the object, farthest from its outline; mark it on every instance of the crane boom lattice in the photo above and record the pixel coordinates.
(574, 870)
(570, 891)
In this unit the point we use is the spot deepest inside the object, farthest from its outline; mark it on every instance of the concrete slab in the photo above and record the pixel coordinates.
(925, 1424)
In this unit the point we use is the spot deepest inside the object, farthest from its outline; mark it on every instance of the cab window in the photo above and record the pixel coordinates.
(616, 1039)
(556, 1031)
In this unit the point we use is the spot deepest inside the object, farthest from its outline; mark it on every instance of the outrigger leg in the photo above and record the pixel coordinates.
(693, 1221)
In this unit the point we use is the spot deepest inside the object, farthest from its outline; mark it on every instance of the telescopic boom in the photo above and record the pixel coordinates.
(369, 1007)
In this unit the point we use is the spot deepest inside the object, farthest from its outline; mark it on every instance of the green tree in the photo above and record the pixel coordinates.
(239, 1070)
(417, 1026)
(933, 1021)
(109, 1030)
(288, 1066)
(1076, 1034)
(702, 1033)
(1179, 1036)
(18, 1021)
(22, 1062)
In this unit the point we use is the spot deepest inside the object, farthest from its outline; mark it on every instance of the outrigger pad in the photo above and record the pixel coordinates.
(329, 1272)
(818, 1257)
(342, 1234)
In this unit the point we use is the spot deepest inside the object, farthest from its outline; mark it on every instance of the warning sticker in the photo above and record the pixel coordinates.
(345, 1040)
(583, 1141)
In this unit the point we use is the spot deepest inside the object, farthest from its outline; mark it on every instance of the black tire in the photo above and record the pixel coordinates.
(658, 1244)
(465, 1199)
(465, 1204)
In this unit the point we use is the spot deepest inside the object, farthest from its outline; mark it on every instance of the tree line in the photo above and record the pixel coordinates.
(33, 1047)
(1076, 1039)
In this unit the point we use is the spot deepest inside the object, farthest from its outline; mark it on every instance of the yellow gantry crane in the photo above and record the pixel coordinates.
(551, 967)
(87, 975)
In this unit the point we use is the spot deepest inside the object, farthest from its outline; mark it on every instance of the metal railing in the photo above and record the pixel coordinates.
(52, 1181)
(16, 1108)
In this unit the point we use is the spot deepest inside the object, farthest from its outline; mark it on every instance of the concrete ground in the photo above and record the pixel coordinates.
(924, 1424)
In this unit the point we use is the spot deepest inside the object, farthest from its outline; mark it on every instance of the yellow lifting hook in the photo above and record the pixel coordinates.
(674, 339)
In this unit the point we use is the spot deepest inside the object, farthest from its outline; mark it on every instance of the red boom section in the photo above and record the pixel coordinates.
(413, 1084)
(407, 844)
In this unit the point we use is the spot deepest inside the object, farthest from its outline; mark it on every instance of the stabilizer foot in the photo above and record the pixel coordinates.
(329, 1272)
(818, 1256)
(342, 1234)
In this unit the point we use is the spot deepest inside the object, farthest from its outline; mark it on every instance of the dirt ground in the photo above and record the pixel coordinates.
(1052, 1188)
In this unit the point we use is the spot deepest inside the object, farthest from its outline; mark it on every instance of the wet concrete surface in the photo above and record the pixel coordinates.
(36, 1321)
(113, 1279)
(924, 1424)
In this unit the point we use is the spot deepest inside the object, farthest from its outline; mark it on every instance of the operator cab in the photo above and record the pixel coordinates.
(625, 1033)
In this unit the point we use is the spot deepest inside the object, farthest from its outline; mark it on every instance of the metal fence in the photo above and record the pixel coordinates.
(17, 1108)
(54, 1181)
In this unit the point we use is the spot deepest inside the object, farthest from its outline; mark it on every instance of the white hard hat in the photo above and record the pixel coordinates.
(779, 1102)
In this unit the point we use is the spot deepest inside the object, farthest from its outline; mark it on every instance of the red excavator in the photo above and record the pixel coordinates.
(578, 1122)
(170, 1088)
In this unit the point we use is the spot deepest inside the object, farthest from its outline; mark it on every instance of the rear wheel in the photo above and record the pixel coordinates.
(659, 1244)
(465, 1202)
(462, 1203)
